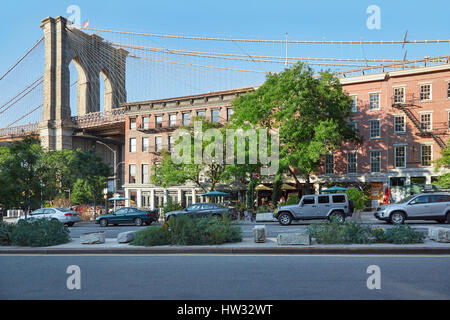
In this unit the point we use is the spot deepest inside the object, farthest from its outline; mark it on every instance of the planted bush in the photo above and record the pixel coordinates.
(183, 230)
(151, 236)
(5, 233)
(402, 234)
(335, 232)
(39, 233)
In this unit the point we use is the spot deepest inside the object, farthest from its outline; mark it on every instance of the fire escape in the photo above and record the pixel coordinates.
(405, 104)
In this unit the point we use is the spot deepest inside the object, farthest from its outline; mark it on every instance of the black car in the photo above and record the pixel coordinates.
(128, 215)
(201, 210)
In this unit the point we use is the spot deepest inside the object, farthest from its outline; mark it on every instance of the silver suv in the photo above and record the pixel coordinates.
(317, 206)
(425, 206)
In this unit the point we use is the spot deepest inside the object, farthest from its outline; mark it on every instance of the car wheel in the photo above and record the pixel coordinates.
(397, 217)
(447, 220)
(149, 222)
(285, 219)
(339, 217)
(138, 222)
(70, 224)
(103, 223)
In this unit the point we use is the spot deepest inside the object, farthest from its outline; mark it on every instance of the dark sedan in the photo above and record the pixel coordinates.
(201, 210)
(128, 215)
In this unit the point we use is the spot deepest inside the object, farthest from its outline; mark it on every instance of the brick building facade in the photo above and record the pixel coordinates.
(403, 116)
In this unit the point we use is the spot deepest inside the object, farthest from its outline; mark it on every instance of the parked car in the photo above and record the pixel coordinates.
(317, 206)
(200, 210)
(66, 216)
(128, 215)
(424, 206)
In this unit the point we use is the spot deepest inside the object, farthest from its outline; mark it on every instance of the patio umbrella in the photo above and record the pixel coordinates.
(262, 187)
(215, 194)
(118, 199)
(285, 186)
(334, 189)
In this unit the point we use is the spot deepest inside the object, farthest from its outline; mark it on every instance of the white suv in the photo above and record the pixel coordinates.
(316, 206)
(425, 206)
(63, 215)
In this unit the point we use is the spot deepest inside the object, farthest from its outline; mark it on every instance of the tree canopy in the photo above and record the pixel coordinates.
(310, 112)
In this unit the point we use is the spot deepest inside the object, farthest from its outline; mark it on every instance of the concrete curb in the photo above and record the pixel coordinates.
(234, 250)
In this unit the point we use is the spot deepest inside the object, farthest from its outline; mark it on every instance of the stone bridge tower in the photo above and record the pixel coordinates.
(92, 58)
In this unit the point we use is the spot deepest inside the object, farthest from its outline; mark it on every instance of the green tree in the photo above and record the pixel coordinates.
(276, 191)
(20, 174)
(443, 181)
(310, 113)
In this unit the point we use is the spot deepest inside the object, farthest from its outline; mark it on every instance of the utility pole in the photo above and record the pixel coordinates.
(286, 62)
(114, 168)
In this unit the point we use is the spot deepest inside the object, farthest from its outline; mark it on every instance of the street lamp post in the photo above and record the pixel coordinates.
(114, 167)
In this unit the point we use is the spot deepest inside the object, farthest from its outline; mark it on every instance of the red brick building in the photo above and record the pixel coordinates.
(403, 116)
(149, 128)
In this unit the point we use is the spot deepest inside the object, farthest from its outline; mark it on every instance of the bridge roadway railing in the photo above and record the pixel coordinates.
(20, 131)
(99, 118)
(87, 121)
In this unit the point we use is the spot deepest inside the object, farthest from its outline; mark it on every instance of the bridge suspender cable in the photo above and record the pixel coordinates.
(20, 60)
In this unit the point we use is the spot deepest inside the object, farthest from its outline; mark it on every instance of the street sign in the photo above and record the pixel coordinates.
(111, 186)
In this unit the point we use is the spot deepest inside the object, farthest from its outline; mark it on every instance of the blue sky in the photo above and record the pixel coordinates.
(302, 20)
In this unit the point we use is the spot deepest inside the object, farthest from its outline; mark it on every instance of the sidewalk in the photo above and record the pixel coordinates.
(247, 246)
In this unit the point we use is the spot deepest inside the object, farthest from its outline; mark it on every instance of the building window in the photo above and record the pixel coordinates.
(158, 121)
(425, 121)
(132, 173)
(171, 143)
(132, 123)
(201, 114)
(448, 118)
(145, 144)
(329, 163)
(448, 90)
(145, 122)
(425, 151)
(230, 112)
(425, 92)
(186, 119)
(399, 124)
(374, 101)
(351, 162)
(400, 156)
(158, 143)
(172, 120)
(374, 129)
(354, 103)
(375, 161)
(145, 174)
(399, 95)
(132, 144)
(215, 115)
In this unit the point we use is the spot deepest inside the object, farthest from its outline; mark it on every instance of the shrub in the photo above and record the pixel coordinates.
(151, 236)
(5, 233)
(183, 230)
(335, 232)
(39, 233)
(171, 206)
(292, 200)
(357, 197)
(401, 234)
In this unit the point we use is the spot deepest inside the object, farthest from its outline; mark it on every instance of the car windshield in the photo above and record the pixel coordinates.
(404, 200)
(63, 209)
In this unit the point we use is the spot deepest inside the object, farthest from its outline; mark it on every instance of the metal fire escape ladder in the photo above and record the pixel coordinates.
(416, 122)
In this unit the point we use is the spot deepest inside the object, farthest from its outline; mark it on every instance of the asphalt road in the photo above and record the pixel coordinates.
(272, 228)
(235, 277)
